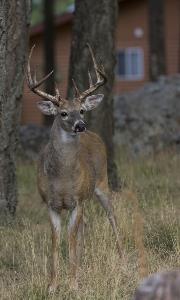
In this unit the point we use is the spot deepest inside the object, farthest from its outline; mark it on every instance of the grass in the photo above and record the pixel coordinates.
(147, 209)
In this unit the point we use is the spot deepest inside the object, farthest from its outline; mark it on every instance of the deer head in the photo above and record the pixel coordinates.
(70, 113)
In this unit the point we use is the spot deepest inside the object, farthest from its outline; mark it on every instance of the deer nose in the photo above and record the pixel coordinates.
(80, 126)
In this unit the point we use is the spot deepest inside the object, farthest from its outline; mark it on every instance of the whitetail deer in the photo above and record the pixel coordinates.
(73, 166)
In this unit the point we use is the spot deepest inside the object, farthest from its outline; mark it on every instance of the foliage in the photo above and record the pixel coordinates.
(150, 196)
(61, 6)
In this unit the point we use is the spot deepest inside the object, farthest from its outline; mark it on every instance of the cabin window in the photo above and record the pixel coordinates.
(130, 64)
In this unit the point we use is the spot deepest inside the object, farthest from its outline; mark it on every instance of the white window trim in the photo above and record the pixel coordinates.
(132, 77)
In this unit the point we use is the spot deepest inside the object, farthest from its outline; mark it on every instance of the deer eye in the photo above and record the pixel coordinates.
(64, 114)
(81, 111)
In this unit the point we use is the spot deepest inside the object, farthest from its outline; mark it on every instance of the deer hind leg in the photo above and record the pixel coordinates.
(104, 200)
(75, 230)
(55, 229)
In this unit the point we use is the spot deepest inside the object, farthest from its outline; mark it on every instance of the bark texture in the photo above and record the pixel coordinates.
(95, 23)
(13, 49)
(157, 39)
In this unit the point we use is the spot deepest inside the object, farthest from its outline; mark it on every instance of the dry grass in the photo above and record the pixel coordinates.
(147, 210)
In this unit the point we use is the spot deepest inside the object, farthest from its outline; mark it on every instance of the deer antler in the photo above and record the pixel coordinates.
(100, 75)
(34, 84)
(77, 92)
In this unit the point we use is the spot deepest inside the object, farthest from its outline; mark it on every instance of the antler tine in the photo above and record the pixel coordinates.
(28, 73)
(94, 62)
(32, 81)
(100, 75)
(57, 91)
(33, 84)
(43, 79)
(77, 92)
(98, 70)
(90, 79)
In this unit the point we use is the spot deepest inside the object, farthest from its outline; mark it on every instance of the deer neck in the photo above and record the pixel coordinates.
(64, 143)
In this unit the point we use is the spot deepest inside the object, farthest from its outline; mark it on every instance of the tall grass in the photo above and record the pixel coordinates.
(147, 209)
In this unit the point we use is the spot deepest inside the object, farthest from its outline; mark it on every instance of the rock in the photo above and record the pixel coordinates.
(148, 120)
(160, 286)
(32, 139)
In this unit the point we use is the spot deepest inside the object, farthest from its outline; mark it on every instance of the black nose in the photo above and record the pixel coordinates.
(80, 127)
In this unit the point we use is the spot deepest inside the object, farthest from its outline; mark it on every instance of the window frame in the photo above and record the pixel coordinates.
(128, 51)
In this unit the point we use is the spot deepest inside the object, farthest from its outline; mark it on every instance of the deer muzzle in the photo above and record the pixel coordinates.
(80, 126)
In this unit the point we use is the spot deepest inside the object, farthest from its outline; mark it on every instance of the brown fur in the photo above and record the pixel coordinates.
(67, 172)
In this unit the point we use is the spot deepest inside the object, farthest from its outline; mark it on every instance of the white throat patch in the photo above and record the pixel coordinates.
(66, 137)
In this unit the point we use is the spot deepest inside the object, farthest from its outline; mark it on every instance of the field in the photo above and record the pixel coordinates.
(147, 208)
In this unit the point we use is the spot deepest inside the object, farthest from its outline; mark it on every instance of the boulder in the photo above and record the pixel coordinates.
(32, 139)
(148, 120)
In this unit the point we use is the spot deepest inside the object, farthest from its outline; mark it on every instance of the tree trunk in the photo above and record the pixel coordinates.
(13, 48)
(157, 39)
(95, 23)
(49, 64)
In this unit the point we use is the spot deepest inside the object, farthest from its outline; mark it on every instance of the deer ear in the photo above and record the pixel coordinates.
(47, 108)
(93, 101)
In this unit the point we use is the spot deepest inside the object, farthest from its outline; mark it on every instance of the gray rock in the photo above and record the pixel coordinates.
(148, 120)
(32, 139)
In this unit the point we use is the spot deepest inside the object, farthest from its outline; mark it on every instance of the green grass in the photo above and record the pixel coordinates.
(147, 208)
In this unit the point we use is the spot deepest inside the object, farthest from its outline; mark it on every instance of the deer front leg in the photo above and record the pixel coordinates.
(55, 229)
(104, 200)
(80, 241)
(75, 243)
